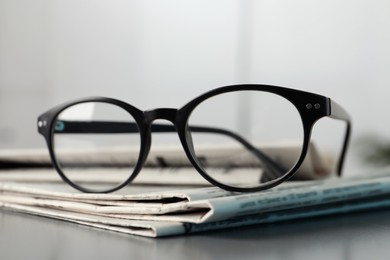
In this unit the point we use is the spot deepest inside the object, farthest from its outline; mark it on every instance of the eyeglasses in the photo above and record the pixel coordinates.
(245, 116)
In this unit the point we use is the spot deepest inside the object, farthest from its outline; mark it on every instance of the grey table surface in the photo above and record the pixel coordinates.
(364, 235)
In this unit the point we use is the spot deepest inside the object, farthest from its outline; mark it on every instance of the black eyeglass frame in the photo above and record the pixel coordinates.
(310, 106)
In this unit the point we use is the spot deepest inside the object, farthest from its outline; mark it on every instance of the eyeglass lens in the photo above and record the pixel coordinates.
(257, 124)
(96, 144)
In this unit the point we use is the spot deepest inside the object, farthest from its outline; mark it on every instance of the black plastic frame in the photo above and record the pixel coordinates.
(311, 108)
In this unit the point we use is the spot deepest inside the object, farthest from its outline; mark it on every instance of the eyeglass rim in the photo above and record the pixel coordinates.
(300, 99)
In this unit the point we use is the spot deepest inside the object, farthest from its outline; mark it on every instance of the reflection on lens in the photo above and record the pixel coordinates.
(96, 145)
(240, 138)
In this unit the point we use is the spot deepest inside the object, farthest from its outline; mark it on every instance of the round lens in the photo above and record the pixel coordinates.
(96, 145)
(245, 139)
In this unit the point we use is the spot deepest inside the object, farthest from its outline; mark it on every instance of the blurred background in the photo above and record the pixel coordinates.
(164, 53)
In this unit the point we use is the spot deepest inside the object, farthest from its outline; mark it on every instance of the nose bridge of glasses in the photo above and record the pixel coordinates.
(168, 114)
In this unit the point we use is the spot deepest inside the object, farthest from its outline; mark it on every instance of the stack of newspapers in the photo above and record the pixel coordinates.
(169, 200)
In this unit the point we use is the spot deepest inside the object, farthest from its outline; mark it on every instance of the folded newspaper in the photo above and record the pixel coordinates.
(155, 211)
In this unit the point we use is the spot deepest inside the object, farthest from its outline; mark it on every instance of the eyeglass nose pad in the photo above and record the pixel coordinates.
(146, 141)
(146, 145)
(191, 151)
(189, 141)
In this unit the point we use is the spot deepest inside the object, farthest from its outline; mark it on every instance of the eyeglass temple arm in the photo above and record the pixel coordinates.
(270, 166)
(98, 127)
(339, 113)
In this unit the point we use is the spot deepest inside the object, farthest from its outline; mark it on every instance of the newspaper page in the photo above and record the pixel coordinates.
(169, 162)
(162, 210)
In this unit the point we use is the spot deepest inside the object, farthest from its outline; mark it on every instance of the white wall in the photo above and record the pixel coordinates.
(163, 53)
